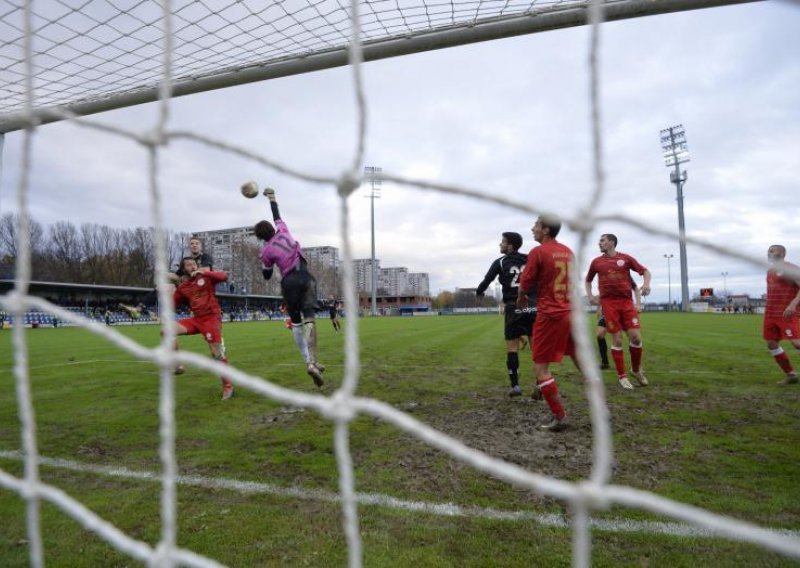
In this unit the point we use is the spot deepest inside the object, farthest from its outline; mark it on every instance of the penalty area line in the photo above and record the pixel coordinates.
(666, 528)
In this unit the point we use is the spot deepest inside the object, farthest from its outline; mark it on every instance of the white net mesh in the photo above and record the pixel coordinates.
(93, 56)
(186, 31)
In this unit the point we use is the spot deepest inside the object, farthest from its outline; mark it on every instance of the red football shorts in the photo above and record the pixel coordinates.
(552, 338)
(779, 328)
(620, 314)
(209, 326)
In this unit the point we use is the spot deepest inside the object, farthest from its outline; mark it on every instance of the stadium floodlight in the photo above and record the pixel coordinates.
(725, 285)
(676, 152)
(373, 175)
(669, 258)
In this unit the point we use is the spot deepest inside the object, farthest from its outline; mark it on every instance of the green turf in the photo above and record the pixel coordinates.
(713, 430)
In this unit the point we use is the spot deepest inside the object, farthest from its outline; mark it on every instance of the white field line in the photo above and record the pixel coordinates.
(333, 366)
(441, 509)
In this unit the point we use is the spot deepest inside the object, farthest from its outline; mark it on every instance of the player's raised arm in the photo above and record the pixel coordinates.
(214, 275)
(273, 203)
(494, 272)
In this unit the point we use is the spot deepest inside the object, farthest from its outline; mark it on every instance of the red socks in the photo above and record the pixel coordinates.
(619, 361)
(226, 382)
(550, 394)
(636, 357)
(783, 360)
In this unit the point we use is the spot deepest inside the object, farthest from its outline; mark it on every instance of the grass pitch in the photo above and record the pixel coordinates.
(713, 430)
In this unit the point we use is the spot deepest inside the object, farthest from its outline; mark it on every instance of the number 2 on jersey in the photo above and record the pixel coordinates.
(560, 282)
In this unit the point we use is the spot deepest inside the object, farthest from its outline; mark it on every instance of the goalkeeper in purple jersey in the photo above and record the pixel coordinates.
(298, 285)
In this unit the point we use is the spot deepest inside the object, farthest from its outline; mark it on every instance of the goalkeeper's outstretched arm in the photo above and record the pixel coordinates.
(273, 203)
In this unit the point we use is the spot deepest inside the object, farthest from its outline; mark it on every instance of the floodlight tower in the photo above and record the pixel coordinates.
(669, 258)
(725, 286)
(373, 175)
(673, 142)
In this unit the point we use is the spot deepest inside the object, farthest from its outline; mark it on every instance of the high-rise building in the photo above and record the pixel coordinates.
(393, 281)
(324, 256)
(419, 283)
(362, 272)
(220, 244)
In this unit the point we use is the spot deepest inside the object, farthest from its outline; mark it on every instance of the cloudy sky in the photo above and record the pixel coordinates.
(508, 117)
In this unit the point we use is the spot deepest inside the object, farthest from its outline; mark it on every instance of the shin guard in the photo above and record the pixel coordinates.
(300, 340)
(310, 333)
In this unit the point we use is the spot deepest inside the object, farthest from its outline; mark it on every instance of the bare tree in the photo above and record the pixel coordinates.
(177, 243)
(326, 276)
(9, 236)
(141, 256)
(96, 245)
(64, 248)
(467, 299)
(10, 241)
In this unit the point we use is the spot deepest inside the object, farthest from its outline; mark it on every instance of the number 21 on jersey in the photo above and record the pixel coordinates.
(561, 282)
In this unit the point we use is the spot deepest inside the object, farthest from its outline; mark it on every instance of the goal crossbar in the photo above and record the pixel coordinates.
(532, 20)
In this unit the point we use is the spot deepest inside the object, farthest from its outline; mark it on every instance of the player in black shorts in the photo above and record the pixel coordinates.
(518, 323)
(333, 310)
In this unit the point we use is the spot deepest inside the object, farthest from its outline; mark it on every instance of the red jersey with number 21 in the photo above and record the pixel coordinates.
(547, 271)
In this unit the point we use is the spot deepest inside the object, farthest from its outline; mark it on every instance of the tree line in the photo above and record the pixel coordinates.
(88, 253)
(98, 254)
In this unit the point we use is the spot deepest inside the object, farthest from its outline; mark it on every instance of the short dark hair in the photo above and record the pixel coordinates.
(184, 259)
(551, 222)
(779, 247)
(611, 237)
(514, 239)
(264, 230)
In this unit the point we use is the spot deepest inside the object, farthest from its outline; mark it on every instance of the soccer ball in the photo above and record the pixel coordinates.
(250, 189)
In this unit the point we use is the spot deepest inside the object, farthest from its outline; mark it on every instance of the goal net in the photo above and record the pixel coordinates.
(68, 59)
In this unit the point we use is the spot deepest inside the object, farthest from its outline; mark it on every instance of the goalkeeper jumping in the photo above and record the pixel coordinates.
(298, 285)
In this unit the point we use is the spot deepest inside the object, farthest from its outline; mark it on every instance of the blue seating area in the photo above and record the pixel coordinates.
(35, 318)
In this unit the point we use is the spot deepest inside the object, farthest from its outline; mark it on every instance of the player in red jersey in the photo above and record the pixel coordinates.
(198, 291)
(781, 315)
(205, 262)
(614, 284)
(547, 271)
